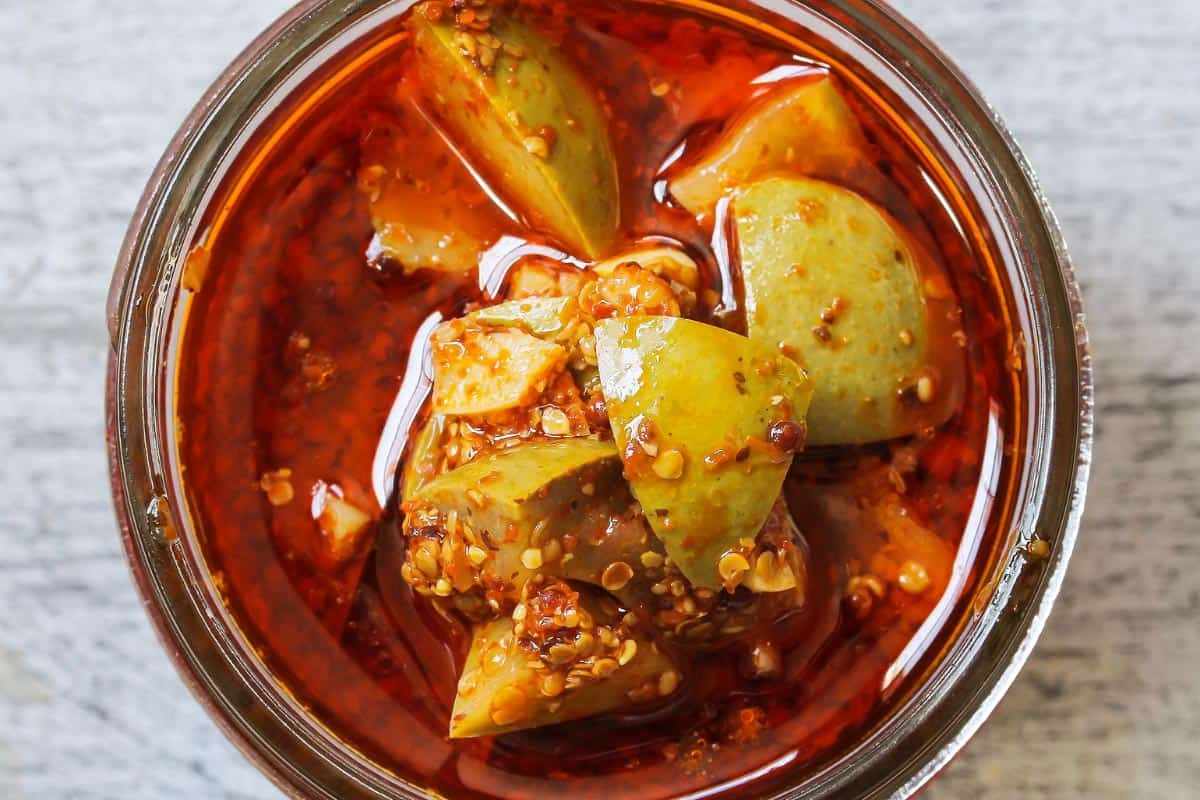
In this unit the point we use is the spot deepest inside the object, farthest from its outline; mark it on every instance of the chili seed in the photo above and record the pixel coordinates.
(616, 576)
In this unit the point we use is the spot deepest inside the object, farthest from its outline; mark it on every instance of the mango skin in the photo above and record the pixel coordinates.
(524, 485)
(682, 377)
(803, 126)
(479, 684)
(832, 281)
(421, 462)
(498, 114)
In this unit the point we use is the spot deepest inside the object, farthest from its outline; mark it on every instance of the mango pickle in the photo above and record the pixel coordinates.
(802, 127)
(705, 449)
(832, 281)
(562, 655)
(480, 371)
(485, 528)
(618, 267)
(523, 114)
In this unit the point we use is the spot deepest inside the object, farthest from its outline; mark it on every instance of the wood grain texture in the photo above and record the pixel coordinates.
(1103, 95)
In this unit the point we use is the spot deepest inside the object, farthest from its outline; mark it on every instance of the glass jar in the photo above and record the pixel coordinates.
(981, 161)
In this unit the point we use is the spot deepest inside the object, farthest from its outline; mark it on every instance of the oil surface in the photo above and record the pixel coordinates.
(294, 352)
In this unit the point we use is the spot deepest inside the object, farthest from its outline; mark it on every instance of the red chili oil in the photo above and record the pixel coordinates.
(294, 351)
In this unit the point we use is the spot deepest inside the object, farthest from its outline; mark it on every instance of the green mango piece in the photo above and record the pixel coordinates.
(802, 126)
(546, 317)
(691, 406)
(421, 464)
(835, 283)
(511, 511)
(427, 209)
(509, 683)
(526, 118)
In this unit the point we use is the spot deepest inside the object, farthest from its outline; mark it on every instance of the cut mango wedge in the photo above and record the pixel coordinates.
(693, 408)
(502, 518)
(480, 371)
(513, 681)
(525, 118)
(833, 282)
(802, 127)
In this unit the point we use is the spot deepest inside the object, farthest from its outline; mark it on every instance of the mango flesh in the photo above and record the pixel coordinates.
(802, 126)
(709, 397)
(496, 664)
(483, 371)
(833, 282)
(566, 486)
(526, 119)
(427, 209)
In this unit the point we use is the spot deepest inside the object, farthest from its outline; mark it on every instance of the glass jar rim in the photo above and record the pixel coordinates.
(306, 762)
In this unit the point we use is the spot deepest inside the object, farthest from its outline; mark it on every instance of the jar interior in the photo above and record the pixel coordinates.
(961, 651)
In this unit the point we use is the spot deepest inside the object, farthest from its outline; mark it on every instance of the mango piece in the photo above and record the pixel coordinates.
(539, 671)
(427, 209)
(802, 126)
(834, 283)
(525, 117)
(694, 410)
(478, 371)
(343, 526)
(493, 523)
(423, 461)
(544, 317)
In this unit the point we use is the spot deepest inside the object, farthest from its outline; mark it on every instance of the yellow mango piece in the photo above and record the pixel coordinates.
(666, 262)
(509, 512)
(803, 127)
(477, 371)
(344, 527)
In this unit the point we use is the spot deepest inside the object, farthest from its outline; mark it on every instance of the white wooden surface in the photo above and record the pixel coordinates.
(1105, 97)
